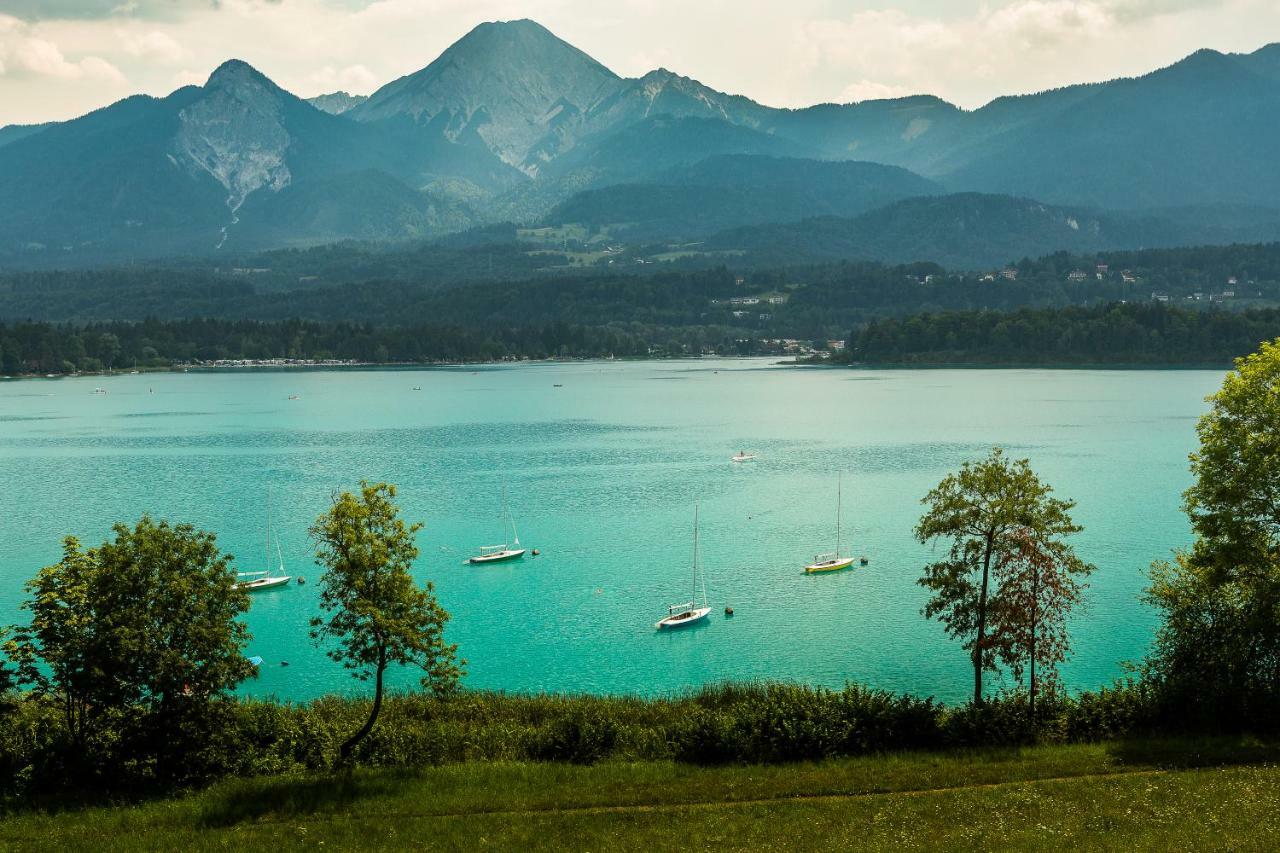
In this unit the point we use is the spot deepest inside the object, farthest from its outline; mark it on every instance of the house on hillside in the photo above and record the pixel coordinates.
(1159, 296)
(1077, 276)
(1009, 274)
(1128, 277)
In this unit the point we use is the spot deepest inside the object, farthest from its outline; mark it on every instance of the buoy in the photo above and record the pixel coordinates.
(301, 580)
(536, 552)
(728, 611)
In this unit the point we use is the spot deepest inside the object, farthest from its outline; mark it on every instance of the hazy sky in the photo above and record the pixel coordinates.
(61, 58)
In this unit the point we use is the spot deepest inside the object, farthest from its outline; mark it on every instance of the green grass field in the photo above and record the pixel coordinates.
(1146, 795)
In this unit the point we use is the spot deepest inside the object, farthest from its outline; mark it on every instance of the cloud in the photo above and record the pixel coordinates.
(871, 90)
(784, 54)
(356, 79)
(93, 10)
(151, 45)
(25, 54)
(1020, 46)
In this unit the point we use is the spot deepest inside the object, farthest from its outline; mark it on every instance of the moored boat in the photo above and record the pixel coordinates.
(834, 561)
(690, 612)
(506, 551)
(256, 581)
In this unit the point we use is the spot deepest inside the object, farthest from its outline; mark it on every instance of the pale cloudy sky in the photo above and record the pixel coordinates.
(61, 58)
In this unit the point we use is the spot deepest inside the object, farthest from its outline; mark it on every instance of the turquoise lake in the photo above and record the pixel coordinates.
(602, 475)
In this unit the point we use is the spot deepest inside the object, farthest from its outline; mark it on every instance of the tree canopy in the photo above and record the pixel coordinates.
(981, 510)
(377, 615)
(1219, 646)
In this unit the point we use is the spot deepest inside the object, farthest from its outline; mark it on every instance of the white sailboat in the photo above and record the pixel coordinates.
(506, 551)
(688, 613)
(836, 561)
(255, 581)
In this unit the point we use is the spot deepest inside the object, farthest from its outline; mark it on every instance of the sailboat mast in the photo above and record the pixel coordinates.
(511, 519)
(695, 550)
(839, 503)
(267, 548)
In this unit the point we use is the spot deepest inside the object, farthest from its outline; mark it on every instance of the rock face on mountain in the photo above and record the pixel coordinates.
(511, 121)
(337, 103)
(152, 177)
(236, 133)
(515, 85)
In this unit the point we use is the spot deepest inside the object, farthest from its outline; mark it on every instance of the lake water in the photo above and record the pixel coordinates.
(602, 475)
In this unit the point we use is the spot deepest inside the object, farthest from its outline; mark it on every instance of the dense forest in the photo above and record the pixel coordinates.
(1181, 306)
(1147, 333)
(59, 348)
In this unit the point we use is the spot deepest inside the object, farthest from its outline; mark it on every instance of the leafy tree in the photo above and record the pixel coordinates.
(146, 621)
(377, 615)
(979, 509)
(168, 605)
(8, 677)
(1219, 645)
(1038, 589)
(62, 635)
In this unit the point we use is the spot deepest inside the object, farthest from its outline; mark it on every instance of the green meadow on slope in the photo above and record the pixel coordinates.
(1133, 795)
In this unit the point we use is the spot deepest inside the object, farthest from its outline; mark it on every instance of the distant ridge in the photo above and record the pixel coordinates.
(511, 123)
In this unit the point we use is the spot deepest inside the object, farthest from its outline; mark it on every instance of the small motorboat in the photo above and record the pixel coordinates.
(743, 456)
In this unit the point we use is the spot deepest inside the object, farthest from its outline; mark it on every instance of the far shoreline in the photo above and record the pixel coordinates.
(289, 365)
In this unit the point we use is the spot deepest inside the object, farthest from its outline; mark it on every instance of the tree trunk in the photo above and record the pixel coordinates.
(1035, 621)
(344, 752)
(982, 622)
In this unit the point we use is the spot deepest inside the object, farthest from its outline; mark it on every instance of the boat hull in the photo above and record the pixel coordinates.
(264, 583)
(698, 614)
(500, 557)
(829, 566)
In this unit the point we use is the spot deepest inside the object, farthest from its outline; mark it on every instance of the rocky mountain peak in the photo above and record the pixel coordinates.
(236, 133)
(509, 82)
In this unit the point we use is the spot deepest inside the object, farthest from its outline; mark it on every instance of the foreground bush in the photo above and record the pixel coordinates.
(722, 724)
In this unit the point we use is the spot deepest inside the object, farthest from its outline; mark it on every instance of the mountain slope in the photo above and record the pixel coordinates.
(969, 231)
(1198, 132)
(734, 190)
(511, 121)
(165, 176)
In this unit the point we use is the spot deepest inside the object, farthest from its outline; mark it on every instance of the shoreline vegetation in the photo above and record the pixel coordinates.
(1116, 335)
(84, 693)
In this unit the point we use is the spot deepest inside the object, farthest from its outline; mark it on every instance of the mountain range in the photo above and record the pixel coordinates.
(511, 123)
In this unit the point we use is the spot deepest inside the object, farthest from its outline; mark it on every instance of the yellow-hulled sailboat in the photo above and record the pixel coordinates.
(836, 561)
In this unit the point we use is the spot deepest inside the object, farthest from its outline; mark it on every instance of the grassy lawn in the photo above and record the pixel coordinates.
(1148, 795)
